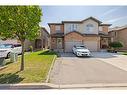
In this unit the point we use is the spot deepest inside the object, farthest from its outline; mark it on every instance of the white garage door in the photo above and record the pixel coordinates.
(91, 45)
(69, 45)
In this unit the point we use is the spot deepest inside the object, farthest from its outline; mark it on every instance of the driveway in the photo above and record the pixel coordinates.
(69, 69)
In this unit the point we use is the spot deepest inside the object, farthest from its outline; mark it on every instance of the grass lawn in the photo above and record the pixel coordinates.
(124, 53)
(37, 65)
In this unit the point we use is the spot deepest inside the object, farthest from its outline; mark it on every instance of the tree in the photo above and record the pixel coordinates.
(116, 45)
(20, 22)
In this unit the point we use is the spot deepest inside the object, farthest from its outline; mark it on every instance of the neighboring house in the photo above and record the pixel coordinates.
(90, 32)
(42, 42)
(119, 34)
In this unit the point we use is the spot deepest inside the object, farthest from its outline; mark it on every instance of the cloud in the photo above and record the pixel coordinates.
(116, 19)
(110, 11)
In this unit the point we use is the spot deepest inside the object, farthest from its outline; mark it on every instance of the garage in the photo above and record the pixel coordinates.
(74, 38)
(91, 45)
(69, 45)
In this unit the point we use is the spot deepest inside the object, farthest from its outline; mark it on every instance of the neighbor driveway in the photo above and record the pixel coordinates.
(69, 69)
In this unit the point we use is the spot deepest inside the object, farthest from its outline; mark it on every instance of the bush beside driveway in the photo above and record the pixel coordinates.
(37, 65)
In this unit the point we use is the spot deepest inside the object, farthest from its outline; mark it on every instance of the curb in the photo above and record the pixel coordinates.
(93, 85)
(28, 86)
(55, 86)
(1, 68)
(49, 73)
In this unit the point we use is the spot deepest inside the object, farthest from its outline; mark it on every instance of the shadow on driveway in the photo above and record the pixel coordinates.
(94, 55)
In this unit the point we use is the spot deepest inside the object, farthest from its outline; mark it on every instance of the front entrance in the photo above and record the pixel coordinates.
(104, 43)
(59, 43)
(38, 43)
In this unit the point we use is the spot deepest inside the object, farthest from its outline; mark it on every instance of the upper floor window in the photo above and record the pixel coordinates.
(57, 27)
(89, 28)
(73, 27)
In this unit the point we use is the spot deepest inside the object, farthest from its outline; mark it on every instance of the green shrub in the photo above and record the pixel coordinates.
(116, 45)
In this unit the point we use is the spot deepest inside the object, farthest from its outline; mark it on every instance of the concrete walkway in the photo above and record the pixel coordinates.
(117, 60)
(69, 69)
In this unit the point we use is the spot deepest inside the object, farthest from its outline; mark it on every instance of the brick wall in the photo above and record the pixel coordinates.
(120, 35)
(53, 43)
(105, 28)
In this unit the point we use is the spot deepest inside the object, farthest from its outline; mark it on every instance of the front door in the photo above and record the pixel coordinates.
(59, 43)
(38, 43)
(104, 43)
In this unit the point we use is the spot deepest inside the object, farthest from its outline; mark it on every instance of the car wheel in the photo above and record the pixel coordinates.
(77, 54)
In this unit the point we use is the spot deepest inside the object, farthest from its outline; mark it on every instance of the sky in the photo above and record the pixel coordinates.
(115, 15)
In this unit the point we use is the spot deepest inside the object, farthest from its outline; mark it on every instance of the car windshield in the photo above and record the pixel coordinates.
(5, 46)
(80, 47)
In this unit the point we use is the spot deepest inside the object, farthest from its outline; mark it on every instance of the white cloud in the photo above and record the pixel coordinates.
(116, 19)
(110, 11)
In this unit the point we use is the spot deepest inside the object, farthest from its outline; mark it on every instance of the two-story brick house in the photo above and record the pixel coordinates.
(119, 34)
(41, 42)
(89, 32)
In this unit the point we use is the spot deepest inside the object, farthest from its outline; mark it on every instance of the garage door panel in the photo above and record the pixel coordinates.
(91, 45)
(69, 45)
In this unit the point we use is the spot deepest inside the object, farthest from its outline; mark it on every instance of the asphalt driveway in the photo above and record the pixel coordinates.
(69, 69)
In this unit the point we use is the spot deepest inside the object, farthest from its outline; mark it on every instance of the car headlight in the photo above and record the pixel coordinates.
(79, 52)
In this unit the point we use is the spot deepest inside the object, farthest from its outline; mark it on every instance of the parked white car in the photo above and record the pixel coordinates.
(81, 50)
(6, 49)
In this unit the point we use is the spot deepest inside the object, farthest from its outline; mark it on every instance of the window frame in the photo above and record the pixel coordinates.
(73, 27)
(89, 28)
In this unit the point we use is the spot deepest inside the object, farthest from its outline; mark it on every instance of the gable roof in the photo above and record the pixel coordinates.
(96, 20)
(92, 19)
(74, 32)
(43, 28)
(118, 28)
(105, 24)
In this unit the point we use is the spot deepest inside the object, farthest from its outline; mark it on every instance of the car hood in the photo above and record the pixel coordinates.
(83, 50)
(4, 49)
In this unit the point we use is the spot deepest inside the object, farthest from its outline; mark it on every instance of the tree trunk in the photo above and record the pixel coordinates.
(22, 58)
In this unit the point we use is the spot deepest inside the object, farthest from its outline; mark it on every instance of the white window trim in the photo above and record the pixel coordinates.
(73, 27)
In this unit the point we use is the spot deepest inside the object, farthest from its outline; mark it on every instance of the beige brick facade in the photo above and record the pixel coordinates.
(81, 35)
